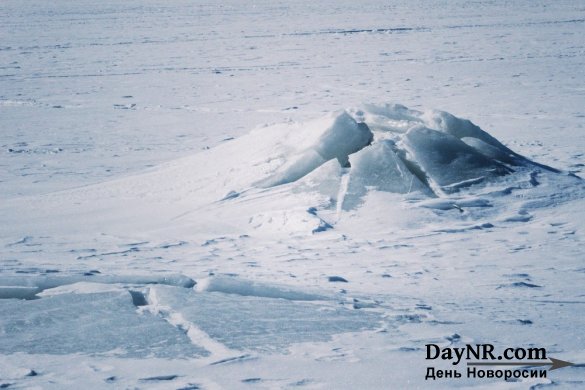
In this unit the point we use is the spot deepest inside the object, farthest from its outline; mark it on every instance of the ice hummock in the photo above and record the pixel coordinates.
(304, 178)
(390, 148)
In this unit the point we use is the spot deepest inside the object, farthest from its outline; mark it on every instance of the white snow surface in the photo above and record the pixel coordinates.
(200, 195)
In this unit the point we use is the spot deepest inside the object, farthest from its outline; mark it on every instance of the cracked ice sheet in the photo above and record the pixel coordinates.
(94, 323)
(259, 323)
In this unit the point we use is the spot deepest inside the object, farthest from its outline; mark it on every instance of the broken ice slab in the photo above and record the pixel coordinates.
(260, 323)
(231, 285)
(449, 162)
(339, 136)
(379, 167)
(96, 323)
(26, 287)
(17, 292)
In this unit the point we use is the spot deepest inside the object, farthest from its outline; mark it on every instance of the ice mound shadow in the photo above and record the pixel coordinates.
(394, 149)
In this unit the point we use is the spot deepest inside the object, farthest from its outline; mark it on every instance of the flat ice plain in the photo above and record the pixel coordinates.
(175, 192)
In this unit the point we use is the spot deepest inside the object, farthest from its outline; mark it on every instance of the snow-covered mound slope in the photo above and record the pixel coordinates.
(377, 164)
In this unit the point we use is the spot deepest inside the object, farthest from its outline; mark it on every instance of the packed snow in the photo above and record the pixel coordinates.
(288, 194)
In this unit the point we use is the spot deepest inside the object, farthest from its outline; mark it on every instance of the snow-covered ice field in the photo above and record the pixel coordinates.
(273, 194)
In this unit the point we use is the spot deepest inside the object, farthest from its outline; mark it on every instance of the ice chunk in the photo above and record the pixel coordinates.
(94, 323)
(461, 128)
(230, 285)
(490, 151)
(341, 138)
(447, 161)
(17, 292)
(379, 167)
(81, 288)
(260, 323)
(27, 286)
(393, 118)
(344, 137)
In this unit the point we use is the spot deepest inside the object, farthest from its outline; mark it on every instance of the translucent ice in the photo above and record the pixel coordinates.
(95, 323)
(260, 323)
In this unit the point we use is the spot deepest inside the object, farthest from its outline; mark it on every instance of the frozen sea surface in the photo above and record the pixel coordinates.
(141, 141)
